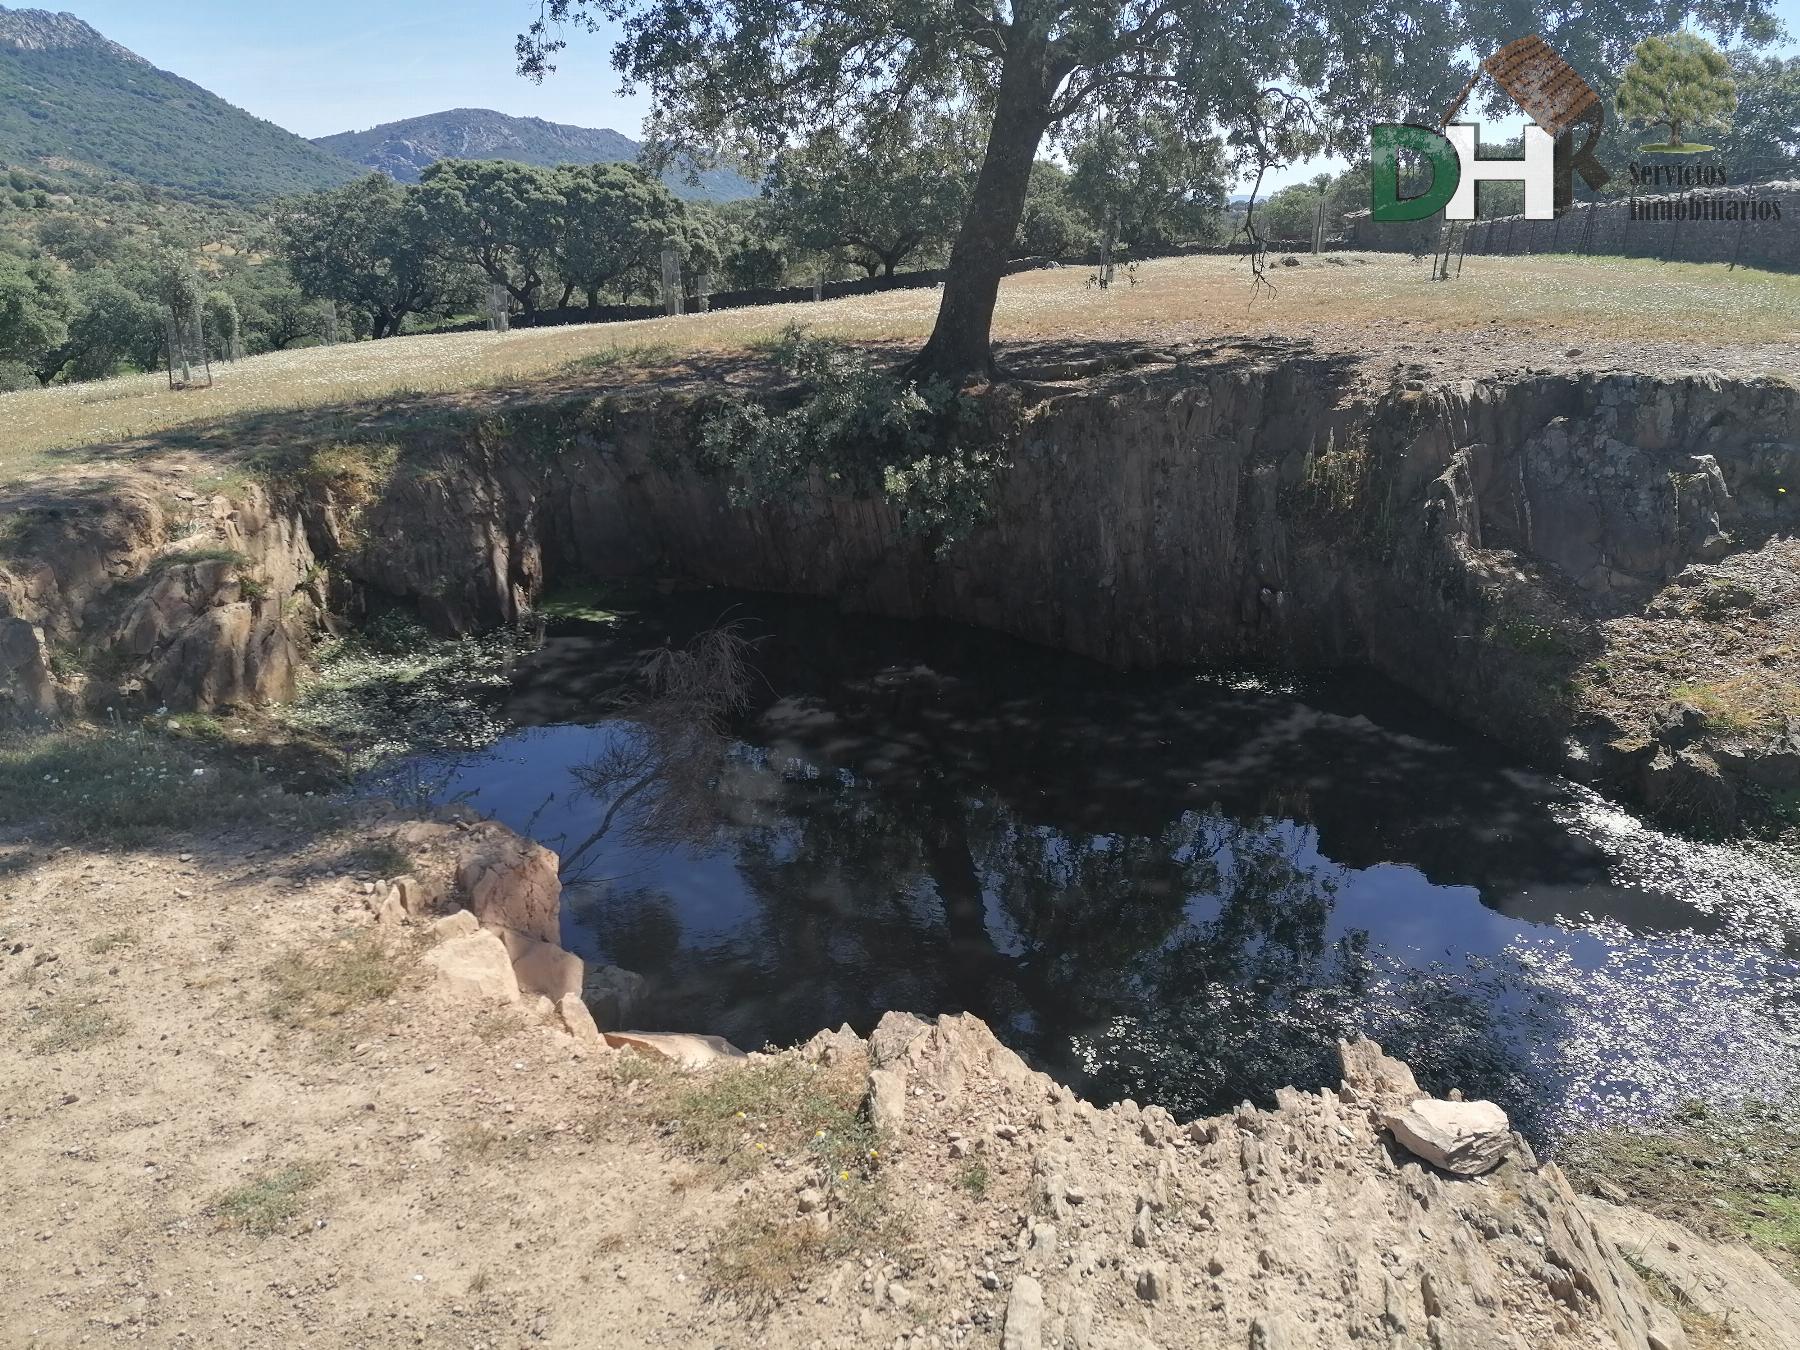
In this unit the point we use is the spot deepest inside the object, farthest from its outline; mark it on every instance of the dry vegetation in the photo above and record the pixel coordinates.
(1572, 302)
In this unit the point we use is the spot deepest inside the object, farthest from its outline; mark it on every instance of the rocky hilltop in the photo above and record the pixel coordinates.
(405, 149)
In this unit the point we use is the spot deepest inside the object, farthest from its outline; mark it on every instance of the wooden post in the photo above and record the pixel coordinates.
(499, 310)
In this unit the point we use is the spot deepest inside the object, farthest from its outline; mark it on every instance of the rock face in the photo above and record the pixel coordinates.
(218, 615)
(1729, 1284)
(1472, 542)
(475, 968)
(1467, 1138)
(1297, 1228)
(512, 883)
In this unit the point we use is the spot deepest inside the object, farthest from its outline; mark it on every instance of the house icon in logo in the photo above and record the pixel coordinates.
(1548, 90)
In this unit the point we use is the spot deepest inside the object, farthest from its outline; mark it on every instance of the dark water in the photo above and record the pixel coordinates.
(1174, 887)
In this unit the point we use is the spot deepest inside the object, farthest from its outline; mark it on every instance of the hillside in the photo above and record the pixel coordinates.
(72, 100)
(405, 149)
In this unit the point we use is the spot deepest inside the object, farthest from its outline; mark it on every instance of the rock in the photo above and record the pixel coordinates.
(512, 883)
(1467, 1138)
(579, 1022)
(475, 968)
(388, 909)
(810, 1199)
(1376, 1078)
(27, 688)
(459, 924)
(542, 1008)
(683, 1049)
(1725, 1283)
(1024, 1327)
(1151, 1283)
(543, 967)
(899, 1295)
(826, 1047)
(885, 1100)
(1686, 788)
(892, 1035)
(411, 894)
(615, 995)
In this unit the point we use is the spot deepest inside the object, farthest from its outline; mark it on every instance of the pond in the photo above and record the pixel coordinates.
(1180, 887)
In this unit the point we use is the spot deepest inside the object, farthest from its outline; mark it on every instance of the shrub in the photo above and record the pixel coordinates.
(931, 451)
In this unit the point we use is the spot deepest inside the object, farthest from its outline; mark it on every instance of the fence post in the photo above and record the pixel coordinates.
(671, 281)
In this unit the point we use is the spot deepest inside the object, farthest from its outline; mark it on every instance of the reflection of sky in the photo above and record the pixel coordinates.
(1636, 1020)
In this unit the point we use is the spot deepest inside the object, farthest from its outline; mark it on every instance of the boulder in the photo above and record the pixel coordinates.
(830, 1048)
(682, 1049)
(475, 968)
(414, 897)
(884, 1103)
(1467, 1138)
(459, 924)
(579, 1022)
(614, 995)
(512, 883)
(542, 967)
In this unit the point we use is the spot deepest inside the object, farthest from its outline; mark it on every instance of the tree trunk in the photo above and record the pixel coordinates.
(1675, 135)
(960, 343)
(568, 294)
(593, 299)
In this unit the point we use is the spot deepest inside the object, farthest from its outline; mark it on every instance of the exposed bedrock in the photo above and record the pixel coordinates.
(1473, 543)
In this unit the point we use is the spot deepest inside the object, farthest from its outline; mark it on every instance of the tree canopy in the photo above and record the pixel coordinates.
(882, 194)
(367, 246)
(1679, 82)
(1277, 78)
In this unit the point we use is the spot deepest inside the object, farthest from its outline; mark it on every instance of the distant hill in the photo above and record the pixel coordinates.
(71, 100)
(403, 150)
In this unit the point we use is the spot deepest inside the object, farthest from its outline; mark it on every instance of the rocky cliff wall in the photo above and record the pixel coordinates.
(1472, 543)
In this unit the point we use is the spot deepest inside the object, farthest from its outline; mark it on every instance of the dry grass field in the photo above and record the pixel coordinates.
(1518, 308)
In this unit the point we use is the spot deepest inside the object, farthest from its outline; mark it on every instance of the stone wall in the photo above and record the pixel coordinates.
(1610, 229)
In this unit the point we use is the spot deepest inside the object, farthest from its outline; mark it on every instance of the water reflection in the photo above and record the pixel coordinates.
(1162, 887)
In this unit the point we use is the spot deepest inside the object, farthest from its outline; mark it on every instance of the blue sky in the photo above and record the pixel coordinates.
(343, 65)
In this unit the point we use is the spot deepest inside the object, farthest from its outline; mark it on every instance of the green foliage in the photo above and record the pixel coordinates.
(87, 101)
(1161, 184)
(1678, 81)
(502, 218)
(370, 247)
(613, 222)
(1051, 224)
(394, 688)
(35, 305)
(858, 430)
(1280, 79)
(1764, 140)
(883, 193)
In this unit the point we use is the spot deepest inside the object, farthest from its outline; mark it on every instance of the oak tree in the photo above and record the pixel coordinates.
(1279, 78)
(1679, 82)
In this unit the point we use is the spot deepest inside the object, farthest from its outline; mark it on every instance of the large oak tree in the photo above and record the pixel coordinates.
(757, 75)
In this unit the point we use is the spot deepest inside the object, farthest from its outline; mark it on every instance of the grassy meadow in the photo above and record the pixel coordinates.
(1378, 298)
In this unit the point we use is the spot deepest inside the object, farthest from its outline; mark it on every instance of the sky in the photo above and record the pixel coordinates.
(347, 65)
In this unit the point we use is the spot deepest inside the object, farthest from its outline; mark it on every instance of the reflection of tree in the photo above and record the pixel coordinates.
(659, 766)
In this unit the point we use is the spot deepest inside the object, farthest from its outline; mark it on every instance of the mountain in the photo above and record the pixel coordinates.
(403, 150)
(71, 100)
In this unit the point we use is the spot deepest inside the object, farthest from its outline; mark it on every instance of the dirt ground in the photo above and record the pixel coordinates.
(235, 1112)
(472, 1182)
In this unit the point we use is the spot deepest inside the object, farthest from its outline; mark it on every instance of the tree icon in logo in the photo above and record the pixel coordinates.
(1679, 82)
